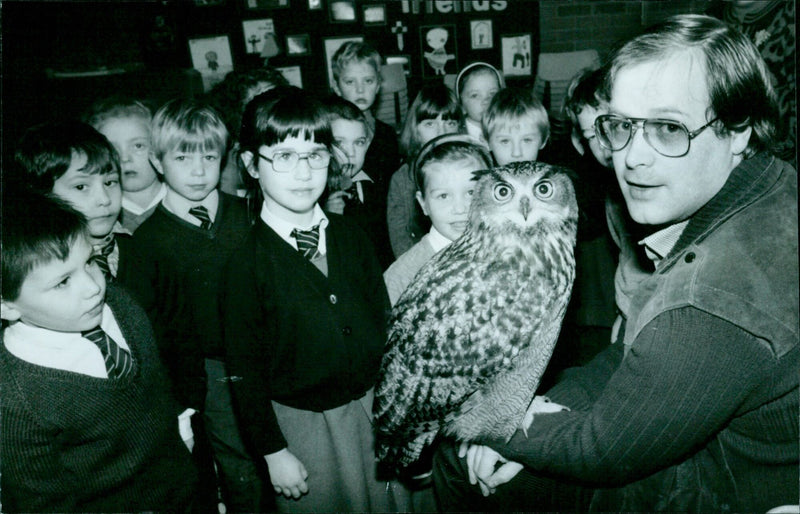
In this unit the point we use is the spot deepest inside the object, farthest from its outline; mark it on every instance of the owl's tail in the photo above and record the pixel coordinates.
(409, 458)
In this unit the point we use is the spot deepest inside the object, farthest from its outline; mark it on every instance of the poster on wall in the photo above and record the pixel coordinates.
(438, 48)
(480, 34)
(255, 34)
(331, 45)
(211, 56)
(516, 55)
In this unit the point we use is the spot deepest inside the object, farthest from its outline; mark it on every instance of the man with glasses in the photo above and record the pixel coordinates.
(697, 408)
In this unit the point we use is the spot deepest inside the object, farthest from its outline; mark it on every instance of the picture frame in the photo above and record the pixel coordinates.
(403, 59)
(209, 3)
(331, 44)
(266, 4)
(342, 11)
(292, 74)
(374, 14)
(481, 34)
(211, 56)
(516, 55)
(255, 32)
(314, 5)
(438, 50)
(298, 44)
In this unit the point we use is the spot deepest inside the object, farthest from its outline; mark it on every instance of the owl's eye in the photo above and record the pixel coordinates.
(543, 189)
(502, 192)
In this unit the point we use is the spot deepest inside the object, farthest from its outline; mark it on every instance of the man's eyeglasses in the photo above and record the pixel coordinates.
(667, 137)
(284, 161)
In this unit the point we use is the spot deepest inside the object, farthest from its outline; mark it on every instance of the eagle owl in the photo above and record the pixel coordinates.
(470, 338)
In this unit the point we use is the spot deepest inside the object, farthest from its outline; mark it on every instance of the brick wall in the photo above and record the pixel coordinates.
(569, 25)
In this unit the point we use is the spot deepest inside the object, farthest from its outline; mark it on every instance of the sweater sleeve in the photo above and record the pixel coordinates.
(248, 353)
(683, 380)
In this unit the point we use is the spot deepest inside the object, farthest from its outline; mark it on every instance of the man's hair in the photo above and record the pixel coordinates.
(355, 51)
(45, 151)
(738, 82)
(188, 126)
(116, 107)
(449, 148)
(433, 99)
(340, 109)
(37, 229)
(512, 104)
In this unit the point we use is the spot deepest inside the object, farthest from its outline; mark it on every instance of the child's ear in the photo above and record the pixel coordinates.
(8, 311)
(247, 159)
(156, 163)
(421, 201)
(576, 142)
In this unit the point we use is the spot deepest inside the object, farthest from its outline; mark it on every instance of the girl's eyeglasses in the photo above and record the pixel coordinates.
(284, 161)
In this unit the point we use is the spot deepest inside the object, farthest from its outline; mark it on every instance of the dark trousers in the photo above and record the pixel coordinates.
(526, 492)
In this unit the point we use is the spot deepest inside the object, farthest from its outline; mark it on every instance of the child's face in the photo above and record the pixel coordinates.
(479, 89)
(193, 175)
(429, 129)
(97, 196)
(131, 138)
(66, 296)
(515, 141)
(291, 195)
(352, 141)
(586, 121)
(358, 83)
(448, 193)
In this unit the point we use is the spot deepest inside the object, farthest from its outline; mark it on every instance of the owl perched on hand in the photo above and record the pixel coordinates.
(471, 336)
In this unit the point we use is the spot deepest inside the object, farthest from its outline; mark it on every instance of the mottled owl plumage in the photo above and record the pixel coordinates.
(471, 336)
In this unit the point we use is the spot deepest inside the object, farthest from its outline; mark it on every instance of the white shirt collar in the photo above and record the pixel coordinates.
(67, 351)
(658, 244)
(284, 228)
(437, 240)
(179, 206)
(134, 208)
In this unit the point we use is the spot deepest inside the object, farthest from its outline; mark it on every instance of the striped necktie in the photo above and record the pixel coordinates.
(307, 241)
(100, 256)
(201, 213)
(119, 362)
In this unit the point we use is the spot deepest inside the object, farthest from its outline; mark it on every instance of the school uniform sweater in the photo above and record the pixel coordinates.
(175, 274)
(383, 155)
(296, 336)
(371, 217)
(76, 443)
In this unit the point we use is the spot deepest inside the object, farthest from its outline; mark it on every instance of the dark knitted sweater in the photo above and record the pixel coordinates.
(296, 336)
(174, 272)
(76, 443)
(702, 412)
(383, 156)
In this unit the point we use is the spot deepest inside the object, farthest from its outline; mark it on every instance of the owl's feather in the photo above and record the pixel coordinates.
(470, 337)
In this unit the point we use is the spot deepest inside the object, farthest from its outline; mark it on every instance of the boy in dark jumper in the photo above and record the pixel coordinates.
(178, 253)
(88, 420)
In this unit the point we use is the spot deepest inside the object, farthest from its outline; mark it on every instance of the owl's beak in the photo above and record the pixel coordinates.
(525, 208)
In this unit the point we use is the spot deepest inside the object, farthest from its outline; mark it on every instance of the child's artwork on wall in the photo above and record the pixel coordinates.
(516, 55)
(331, 45)
(292, 75)
(481, 34)
(374, 14)
(298, 44)
(438, 44)
(343, 11)
(255, 34)
(211, 56)
(314, 5)
(267, 4)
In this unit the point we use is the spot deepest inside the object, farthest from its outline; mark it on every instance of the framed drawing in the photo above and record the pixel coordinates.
(266, 4)
(342, 11)
(374, 14)
(298, 44)
(292, 74)
(314, 5)
(255, 34)
(331, 45)
(211, 56)
(516, 50)
(480, 34)
(438, 48)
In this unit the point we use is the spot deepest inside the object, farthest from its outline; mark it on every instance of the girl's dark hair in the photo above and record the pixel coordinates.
(36, 229)
(431, 101)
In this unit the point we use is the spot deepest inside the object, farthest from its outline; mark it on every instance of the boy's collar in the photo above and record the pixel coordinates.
(179, 206)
